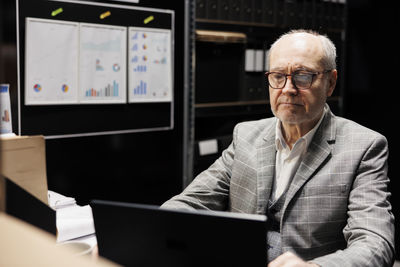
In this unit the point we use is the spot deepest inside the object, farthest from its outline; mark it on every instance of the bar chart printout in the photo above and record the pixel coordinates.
(108, 91)
(51, 62)
(102, 64)
(150, 66)
(140, 89)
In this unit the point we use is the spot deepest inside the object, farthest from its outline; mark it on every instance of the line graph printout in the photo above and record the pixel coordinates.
(51, 62)
(102, 64)
(150, 68)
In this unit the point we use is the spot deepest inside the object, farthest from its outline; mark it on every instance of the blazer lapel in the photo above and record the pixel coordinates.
(317, 153)
(266, 155)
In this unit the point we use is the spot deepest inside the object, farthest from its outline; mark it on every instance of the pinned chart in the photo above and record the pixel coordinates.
(66, 60)
(150, 66)
(87, 63)
(51, 62)
(102, 64)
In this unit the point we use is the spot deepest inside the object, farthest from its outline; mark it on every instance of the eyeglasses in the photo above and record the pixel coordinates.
(300, 79)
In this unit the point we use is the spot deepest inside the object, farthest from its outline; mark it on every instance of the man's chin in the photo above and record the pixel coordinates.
(288, 117)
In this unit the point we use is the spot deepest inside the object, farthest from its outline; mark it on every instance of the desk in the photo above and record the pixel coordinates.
(22, 244)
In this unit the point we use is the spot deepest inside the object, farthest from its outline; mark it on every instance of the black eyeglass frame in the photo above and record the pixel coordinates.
(314, 74)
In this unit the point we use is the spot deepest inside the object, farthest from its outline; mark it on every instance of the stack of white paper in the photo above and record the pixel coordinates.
(72, 221)
(57, 200)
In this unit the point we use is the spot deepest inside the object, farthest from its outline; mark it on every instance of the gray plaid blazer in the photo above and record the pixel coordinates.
(337, 210)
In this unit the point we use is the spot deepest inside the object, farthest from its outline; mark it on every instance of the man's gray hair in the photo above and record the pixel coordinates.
(329, 49)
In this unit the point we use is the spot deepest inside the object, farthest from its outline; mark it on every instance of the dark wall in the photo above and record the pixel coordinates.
(372, 79)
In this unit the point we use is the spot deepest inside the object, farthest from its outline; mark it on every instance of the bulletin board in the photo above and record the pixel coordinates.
(94, 68)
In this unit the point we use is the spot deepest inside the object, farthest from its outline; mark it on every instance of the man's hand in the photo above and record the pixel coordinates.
(288, 259)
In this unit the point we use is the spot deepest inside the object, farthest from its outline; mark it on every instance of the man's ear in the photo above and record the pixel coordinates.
(332, 82)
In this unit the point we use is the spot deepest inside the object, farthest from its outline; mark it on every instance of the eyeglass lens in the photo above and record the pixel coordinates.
(300, 80)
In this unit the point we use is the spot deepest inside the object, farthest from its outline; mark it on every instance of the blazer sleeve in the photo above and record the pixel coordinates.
(370, 226)
(210, 189)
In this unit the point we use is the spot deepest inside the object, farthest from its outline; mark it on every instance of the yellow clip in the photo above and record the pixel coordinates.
(148, 19)
(105, 15)
(56, 12)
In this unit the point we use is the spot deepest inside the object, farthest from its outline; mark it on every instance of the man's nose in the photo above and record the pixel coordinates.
(289, 87)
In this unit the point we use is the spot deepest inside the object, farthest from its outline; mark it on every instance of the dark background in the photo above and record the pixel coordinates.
(371, 96)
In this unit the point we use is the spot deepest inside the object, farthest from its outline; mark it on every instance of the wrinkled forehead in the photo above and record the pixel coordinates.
(297, 50)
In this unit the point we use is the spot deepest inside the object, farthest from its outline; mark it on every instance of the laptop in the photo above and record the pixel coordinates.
(146, 235)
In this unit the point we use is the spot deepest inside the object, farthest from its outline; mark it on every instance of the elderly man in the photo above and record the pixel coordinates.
(320, 179)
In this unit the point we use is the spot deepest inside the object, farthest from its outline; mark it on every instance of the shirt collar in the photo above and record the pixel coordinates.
(280, 142)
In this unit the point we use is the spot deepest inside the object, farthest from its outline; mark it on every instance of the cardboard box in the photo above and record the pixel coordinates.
(23, 161)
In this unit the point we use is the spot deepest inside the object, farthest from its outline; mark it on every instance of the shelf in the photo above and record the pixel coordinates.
(231, 109)
(260, 24)
(232, 22)
(246, 103)
(230, 104)
(252, 107)
(220, 36)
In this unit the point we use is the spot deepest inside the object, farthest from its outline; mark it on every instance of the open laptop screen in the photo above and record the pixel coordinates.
(145, 235)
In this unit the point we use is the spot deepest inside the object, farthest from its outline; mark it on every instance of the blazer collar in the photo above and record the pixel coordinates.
(266, 154)
(318, 152)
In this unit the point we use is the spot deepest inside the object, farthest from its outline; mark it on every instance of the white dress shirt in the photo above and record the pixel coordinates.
(288, 160)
